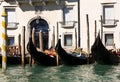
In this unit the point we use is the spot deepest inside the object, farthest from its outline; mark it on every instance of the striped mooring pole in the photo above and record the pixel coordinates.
(4, 43)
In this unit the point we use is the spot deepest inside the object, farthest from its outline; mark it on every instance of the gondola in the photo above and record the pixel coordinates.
(102, 55)
(68, 58)
(40, 57)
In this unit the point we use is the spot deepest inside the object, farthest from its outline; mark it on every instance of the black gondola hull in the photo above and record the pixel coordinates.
(68, 58)
(102, 55)
(40, 57)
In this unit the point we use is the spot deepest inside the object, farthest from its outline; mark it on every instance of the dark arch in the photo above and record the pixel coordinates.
(39, 24)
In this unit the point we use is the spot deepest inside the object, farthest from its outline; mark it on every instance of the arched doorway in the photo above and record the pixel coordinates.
(40, 24)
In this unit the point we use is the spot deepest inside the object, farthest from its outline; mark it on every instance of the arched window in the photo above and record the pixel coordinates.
(39, 24)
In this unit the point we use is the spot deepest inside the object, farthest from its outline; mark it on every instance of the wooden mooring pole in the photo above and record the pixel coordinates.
(53, 44)
(57, 57)
(33, 39)
(88, 34)
(88, 38)
(33, 36)
(31, 61)
(53, 37)
(23, 47)
(19, 43)
(95, 28)
(101, 28)
(75, 39)
(41, 40)
(57, 32)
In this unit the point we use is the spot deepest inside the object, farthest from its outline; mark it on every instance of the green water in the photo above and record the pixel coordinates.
(81, 73)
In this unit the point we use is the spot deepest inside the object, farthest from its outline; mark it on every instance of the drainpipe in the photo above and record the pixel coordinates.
(79, 24)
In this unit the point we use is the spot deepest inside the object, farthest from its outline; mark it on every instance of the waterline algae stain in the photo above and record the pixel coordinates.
(80, 73)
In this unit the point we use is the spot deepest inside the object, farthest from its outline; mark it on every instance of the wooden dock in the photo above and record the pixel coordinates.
(14, 55)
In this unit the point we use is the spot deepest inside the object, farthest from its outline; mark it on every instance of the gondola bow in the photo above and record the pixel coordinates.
(102, 55)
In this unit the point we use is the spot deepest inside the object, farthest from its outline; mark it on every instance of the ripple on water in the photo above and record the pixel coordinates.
(80, 73)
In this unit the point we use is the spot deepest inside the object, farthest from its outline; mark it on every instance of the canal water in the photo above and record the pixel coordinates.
(63, 73)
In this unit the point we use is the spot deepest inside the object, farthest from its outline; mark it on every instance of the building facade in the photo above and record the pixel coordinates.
(76, 22)
(104, 15)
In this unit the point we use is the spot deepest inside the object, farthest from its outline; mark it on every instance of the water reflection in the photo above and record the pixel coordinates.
(43, 74)
(106, 73)
(102, 69)
(63, 73)
(64, 68)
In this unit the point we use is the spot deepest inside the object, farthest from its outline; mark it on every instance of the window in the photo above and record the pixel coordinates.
(68, 39)
(109, 39)
(68, 17)
(11, 18)
(108, 14)
(10, 41)
(68, 14)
